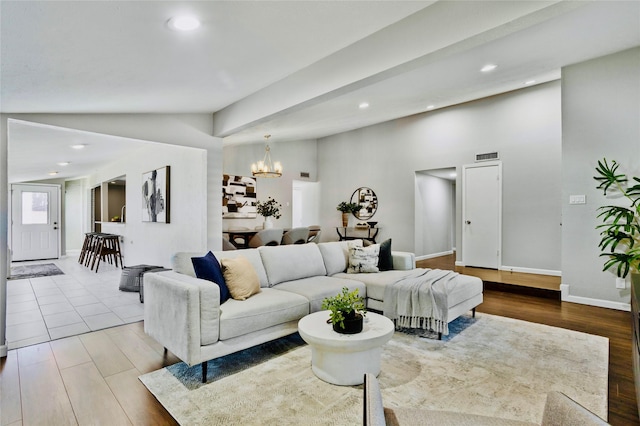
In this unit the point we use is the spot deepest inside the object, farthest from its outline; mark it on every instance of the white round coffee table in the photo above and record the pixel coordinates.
(342, 359)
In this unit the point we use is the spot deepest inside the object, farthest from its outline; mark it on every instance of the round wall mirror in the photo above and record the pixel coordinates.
(368, 202)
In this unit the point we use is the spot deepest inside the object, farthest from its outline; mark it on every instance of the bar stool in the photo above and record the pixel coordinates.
(107, 247)
(86, 247)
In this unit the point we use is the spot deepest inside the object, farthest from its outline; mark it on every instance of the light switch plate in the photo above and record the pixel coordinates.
(577, 199)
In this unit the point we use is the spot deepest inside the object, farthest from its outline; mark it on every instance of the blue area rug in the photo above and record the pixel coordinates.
(191, 377)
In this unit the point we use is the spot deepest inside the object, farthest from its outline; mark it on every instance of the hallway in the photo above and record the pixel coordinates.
(80, 301)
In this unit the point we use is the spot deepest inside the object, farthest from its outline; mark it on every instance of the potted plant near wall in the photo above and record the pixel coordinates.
(347, 208)
(269, 209)
(620, 230)
(347, 311)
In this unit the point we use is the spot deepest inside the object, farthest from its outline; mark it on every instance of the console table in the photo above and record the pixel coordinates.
(350, 233)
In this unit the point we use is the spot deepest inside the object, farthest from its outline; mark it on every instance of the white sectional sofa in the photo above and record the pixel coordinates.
(184, 314)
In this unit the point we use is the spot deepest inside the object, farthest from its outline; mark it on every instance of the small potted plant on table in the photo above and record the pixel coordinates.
(346, 209)
(347, 311)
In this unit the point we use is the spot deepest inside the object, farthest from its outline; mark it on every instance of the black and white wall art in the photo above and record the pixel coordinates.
(239, 197)
(155, 195)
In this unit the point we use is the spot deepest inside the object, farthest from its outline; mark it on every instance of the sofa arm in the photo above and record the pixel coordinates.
(403, 260)
(373, 410)
(182, 313)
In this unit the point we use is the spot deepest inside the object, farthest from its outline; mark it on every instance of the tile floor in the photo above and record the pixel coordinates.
(80, 301)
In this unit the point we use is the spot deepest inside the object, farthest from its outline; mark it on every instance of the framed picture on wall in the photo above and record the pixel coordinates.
(239, 197)
(155, 195)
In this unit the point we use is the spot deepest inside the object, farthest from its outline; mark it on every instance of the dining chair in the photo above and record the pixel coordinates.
(266, 237)
(296, 236)
(314, 234)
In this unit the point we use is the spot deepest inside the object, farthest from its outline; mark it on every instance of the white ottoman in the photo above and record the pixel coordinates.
(342, 359)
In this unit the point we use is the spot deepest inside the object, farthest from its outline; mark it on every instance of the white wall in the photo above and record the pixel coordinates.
(74, 193)
(601, 118)
(435, 213)
(295, 156)
(155, 243)
(524, 126)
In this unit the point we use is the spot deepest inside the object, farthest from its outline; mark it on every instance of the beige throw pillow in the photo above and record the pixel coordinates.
(363, 259)
(240, 277)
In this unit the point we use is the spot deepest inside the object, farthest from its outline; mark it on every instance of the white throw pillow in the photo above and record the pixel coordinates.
(363, 259)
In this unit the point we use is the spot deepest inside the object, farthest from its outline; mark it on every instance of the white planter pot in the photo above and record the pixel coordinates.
(268, 222)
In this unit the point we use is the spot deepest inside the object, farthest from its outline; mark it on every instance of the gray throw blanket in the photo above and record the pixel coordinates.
(420, 300)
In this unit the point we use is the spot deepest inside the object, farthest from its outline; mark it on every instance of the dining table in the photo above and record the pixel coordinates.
(241, 234)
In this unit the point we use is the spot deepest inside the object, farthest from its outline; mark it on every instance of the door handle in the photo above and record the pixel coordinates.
(468, 222)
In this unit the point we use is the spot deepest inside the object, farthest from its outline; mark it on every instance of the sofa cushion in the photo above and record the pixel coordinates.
(181, 262)
(335, 256)
(208, 268)
(363, 259)
(464, 287)
(291, 262)
(268, 308)
(241, 278)
(316, 289)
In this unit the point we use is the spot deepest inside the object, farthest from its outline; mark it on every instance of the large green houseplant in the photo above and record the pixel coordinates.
(620, 230)
(346, 311)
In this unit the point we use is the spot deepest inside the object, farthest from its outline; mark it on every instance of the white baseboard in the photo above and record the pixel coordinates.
(566, 297)
(531, 270)
(459, 263)
(431, 256)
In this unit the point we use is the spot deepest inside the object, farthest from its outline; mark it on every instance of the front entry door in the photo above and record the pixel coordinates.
(35, 225)
(481, 216)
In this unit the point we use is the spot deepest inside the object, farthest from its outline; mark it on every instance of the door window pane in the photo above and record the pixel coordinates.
(35, 208)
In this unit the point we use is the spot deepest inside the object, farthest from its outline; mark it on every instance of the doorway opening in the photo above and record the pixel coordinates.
(435, 216)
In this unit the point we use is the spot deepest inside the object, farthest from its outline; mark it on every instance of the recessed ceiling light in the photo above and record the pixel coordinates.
(529, 83)
(430, 107)
(183, 23)
(63, 163)
(78, 146)
(488, 67)
(53, 173)
(363, 105)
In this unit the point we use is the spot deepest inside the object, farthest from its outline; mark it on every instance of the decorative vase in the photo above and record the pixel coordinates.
(345, 220)
(268, 223)
(353, 323)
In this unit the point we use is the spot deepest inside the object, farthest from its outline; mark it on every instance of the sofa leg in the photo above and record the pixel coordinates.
(473, 313)
(439, 336)
(204, 372)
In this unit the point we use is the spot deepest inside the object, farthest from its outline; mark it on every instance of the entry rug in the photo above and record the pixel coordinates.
(34, 271)
(492, 366)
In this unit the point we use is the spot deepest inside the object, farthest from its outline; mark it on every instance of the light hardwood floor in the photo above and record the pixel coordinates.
(93, 378)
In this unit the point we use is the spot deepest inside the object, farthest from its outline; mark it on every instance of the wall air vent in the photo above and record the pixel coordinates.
(488, 156)
(304, 175)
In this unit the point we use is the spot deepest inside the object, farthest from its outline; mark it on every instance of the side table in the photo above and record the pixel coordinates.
(342, 359)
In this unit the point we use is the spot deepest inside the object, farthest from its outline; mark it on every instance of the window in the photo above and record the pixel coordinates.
(35, 208)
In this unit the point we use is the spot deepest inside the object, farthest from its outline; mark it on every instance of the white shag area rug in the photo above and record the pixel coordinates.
(491, 366)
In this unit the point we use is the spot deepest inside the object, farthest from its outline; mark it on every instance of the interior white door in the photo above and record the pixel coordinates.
(481, 216)
(35, 226)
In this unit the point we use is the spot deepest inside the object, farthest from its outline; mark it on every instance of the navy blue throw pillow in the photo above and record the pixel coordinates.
(385, 259)
(208, 268)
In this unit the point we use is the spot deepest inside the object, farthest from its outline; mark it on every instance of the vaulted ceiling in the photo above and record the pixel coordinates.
(293, 69)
